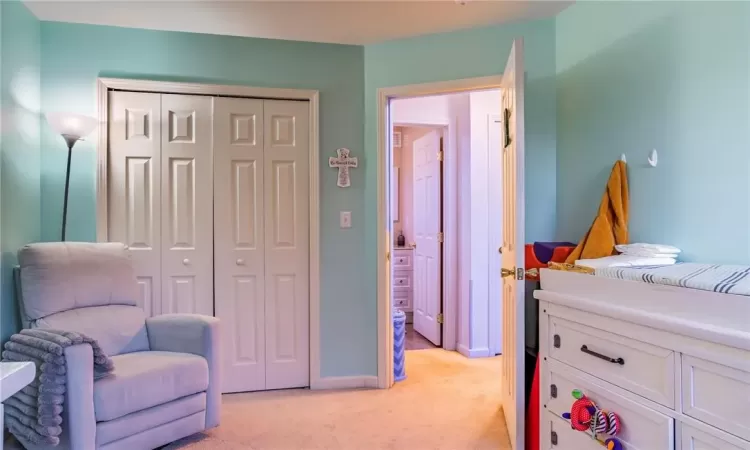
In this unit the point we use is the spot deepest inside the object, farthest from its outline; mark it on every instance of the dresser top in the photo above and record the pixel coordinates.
(709, 316)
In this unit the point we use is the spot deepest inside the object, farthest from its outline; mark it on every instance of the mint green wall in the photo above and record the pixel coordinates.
(19, 147)
(73, 56)
(675, 76)
(474, 53)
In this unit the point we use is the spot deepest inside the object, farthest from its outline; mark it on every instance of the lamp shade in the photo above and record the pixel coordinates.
(71, 125)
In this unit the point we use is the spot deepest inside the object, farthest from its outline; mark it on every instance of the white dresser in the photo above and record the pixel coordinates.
(403, 279)
(673, 363)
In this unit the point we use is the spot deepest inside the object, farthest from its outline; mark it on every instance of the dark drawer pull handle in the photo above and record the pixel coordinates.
(619, 361)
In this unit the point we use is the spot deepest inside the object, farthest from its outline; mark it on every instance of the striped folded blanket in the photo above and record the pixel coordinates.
(727, 279)
(34, 414)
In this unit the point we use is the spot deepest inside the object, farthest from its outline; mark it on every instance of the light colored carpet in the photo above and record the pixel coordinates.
(446, 402)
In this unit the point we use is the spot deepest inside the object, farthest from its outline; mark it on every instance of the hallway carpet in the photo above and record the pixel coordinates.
(446, 402)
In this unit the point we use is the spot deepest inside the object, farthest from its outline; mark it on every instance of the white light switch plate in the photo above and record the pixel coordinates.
(345, 219)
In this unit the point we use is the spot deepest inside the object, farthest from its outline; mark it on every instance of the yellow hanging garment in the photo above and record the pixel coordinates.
(610, 226)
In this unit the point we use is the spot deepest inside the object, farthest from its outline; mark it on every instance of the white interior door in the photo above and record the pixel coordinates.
(134, 187)
(495, 230)
(239, 241)
(513, 400)
(286, 149)
(187, 202)
(427, 267)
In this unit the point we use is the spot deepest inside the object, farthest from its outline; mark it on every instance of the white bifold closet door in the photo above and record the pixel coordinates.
(134, 186)
(261, 225)
(187, 201)
(160, 196)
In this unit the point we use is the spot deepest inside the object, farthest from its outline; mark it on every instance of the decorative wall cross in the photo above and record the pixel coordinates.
(343, 162)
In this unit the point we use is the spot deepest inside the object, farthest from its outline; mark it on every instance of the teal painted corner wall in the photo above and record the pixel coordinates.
(73, 56)
(474, 53)
(674, 76)
(19, 147)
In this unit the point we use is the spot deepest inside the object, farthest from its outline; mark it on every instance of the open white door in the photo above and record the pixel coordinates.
(495, 215)
(513, 400)
(427, 218)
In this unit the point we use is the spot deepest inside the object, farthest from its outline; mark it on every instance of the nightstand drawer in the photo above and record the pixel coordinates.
(402, 298)
(639, 367)
(402, 259)
(402, 279)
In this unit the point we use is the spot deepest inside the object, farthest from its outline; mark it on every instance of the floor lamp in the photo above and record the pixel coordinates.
(73, 128)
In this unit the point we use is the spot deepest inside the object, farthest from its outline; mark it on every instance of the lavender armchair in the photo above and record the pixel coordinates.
(165, 384)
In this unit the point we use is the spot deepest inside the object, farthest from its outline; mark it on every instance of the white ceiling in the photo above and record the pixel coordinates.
(343, 21)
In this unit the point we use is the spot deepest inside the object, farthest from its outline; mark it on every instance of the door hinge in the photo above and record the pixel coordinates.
(440, 318)
(387, 256)
(440, 155)
(553, 438)
(441, 237)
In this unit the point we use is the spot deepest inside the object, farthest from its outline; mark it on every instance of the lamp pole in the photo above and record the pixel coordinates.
(72, 127)
(70, 140)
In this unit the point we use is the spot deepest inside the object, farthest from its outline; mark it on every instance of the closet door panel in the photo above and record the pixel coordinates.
(239, 241)
(187, 202)
(134, 186)
(287, 302)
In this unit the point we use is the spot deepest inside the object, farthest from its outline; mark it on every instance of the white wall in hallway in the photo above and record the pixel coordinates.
(458, 106)
(431, 110)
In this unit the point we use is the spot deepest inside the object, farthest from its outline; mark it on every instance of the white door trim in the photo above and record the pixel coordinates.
(103, 85)
(384, 239)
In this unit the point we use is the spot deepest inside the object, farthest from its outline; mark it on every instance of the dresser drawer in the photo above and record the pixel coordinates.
(636, 366)
(402, 279)
(402, 259)
(402, 299)
(562, 437)
(694, 439)
(641, 428)
(717, 395)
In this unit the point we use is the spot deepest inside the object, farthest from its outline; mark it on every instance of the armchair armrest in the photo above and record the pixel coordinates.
(196, 334)
(79, 418)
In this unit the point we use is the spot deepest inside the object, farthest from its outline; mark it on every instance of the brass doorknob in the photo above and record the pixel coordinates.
(507, 272)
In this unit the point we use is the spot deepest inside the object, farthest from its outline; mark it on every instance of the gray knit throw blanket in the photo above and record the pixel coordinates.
(34, 414)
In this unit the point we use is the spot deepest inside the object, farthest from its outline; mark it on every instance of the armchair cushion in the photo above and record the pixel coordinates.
(59, 276)
(145, 379)
(117, 328)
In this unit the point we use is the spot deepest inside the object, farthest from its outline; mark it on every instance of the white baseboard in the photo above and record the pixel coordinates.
(481, 352)
(355, 382)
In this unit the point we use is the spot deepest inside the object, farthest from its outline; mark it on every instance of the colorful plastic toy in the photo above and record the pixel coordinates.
(585, 416)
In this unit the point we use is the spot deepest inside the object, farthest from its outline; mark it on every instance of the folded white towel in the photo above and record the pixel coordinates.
(648, 253)
(656, 248)
(624, 261)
